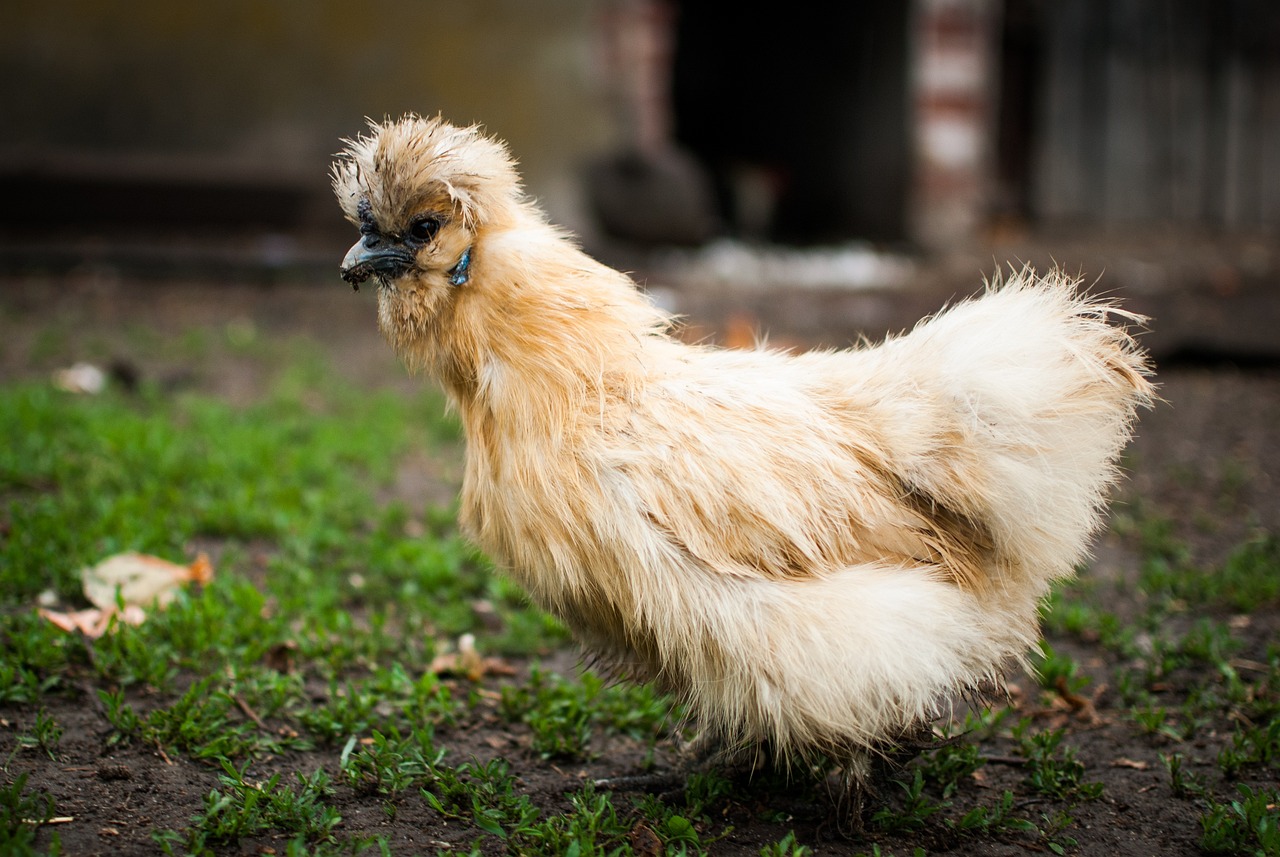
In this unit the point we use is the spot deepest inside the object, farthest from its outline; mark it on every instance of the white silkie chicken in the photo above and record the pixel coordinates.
(813, 551)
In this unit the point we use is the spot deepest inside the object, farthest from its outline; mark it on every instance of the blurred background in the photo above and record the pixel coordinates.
(759, 166)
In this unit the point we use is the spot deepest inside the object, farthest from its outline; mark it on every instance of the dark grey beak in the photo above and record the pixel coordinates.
(375, 256)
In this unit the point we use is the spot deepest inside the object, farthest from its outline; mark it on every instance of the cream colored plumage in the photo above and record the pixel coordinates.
(814, 551)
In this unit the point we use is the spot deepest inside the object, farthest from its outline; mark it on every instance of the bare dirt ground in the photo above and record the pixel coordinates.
(1208, 459)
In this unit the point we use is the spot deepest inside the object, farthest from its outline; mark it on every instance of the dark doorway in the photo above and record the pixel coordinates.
(1021, 71)
(800, 114)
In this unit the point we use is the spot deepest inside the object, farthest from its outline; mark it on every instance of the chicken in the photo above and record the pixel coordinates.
(813, 551)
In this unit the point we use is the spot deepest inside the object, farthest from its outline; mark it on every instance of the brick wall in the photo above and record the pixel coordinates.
(953, 91)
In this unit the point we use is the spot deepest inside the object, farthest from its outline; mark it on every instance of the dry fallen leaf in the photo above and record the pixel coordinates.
(1080, 705)
(468, 661)
(280, 657)
(93, 622)
(644, 842)
(137, 581)
(1130, 763)
(140, 579)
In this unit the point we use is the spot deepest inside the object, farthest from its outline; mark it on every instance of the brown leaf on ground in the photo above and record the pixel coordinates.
(93, 622)
(121, 586)
(468, 661)
(1130, 763)
(138, 579)
(1081, 706)
(644, 842)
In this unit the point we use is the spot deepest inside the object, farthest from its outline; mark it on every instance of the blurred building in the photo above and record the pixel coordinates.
(213, 125)
(935, 119)
(926, 123)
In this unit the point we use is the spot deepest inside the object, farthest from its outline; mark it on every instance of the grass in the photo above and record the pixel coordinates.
(300, 681)
(21, 814)
(1249, 824)
(564, 715)
(390, 764)
(787, 846)
(240, 807)
(1052, 769)
(1179, 673)
(938, 778)
(322, 621)
(45, 734)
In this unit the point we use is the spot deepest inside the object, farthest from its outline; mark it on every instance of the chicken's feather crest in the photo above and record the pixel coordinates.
(402, 165)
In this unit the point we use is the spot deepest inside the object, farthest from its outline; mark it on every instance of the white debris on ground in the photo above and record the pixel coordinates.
(733, 263)
(81, 378)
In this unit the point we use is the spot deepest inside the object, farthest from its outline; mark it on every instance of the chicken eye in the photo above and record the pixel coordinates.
(424, 230)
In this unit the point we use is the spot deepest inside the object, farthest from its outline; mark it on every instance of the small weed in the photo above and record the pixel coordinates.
(703, 790)
(348, 711)
(124, 720)
(915, 810)
(1184, 783)
(591, 827)
(241, 808)
(1246, 580)
(1208, 642)
(679, 826)
(200, 723)
(1181, 723)
(669, 825)
(21, 815)
(558, 713)
(985, 723)
(1250, 577)
(1054, 832)
(45, 734)
(946, 767)
(484, 792)
(1065, 612)
(422, 704)
(1000, 819)
(563, 714)
(1155, 720)
(389, 764)
(1055, 669)
(136, 656)
(1156, 535)
(995, 819)
(1251, 745)
(1249, 825)
(265, 691)
(1052, 769)
(33, 657)
(787, 846)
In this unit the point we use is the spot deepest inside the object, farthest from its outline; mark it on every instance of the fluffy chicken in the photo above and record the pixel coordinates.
(814, 551)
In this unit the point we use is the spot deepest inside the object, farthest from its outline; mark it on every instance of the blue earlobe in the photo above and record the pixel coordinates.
(461, 272)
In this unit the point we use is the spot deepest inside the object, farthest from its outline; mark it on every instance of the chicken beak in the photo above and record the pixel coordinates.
(373, 256)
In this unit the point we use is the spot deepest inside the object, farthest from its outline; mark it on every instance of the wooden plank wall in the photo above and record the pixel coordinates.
(1156, 111)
